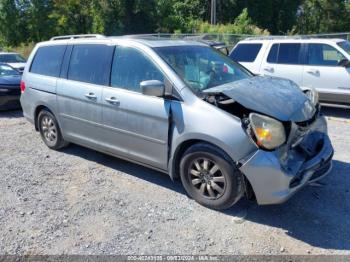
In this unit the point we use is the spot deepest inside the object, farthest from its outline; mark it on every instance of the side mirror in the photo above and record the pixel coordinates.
(344, 63)
(152, 88)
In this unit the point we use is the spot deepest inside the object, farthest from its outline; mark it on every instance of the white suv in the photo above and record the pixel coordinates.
(323, 64)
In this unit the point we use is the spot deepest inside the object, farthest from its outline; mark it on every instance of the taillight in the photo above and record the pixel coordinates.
(23, 87)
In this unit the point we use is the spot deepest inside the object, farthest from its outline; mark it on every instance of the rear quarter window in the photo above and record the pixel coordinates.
(245, 52)
(47, 60)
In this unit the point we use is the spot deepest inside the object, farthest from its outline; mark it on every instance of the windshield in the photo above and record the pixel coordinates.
(11, 58)
(345, 45)
(6, 70)
(202, 67)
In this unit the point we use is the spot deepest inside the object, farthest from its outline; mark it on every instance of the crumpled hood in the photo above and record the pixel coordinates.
(275, 97)
(12, 80)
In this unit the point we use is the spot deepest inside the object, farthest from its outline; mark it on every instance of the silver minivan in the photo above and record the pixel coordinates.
(182, 108)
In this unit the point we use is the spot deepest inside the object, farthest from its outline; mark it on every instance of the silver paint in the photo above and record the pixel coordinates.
(151, 130)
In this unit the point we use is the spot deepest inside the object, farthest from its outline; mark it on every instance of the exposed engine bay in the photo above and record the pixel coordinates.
(228, 104)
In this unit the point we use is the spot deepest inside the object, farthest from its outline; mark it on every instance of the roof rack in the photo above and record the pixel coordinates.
(140, 36)
(277, 37)
(66, 37)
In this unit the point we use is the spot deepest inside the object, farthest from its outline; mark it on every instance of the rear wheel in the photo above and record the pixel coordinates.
(210, 177)
(50, 131)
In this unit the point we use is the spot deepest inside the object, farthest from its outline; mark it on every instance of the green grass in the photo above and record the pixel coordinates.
(24, 49)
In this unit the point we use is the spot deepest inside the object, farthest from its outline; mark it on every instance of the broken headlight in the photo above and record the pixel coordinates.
(312, 95)
(269, 133)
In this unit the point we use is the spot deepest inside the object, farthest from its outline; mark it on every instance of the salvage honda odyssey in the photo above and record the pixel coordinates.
(182, 108)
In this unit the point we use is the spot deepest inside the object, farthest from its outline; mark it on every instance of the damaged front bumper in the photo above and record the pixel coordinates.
(275, 176)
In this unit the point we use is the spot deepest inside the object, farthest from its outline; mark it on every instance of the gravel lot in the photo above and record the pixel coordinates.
(79, 201)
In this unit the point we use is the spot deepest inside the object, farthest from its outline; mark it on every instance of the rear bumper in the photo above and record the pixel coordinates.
(275, 181)
(8, 102)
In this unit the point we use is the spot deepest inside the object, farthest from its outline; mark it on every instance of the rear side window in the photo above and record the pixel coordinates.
(289, 54)
(285, 53)
(47, 60)
(245, 52)
(91, 64)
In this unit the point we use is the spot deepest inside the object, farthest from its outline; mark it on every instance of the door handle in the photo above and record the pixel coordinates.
(112, 100)
(313, 71)
(269, 69)
(91, 96)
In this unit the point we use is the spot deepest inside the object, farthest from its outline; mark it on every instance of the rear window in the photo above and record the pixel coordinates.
(286, 53)
(6, 70)
(245, 52)
(47, 60)
(91, 64)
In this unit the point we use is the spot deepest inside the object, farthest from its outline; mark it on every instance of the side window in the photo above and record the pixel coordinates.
(272, 57)
(323, 55)
(131, 67)
(90, 63)
(47, 60)
(289, 54)
(245, 52)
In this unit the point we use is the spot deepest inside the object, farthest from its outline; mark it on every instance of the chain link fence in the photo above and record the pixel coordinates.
(228, 39)
(232, 39)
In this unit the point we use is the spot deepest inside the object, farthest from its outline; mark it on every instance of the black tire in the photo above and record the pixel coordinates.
(50, 131)
(217, 190)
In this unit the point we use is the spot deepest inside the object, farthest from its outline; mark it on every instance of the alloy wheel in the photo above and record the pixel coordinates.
(207, 178)
(49, 129)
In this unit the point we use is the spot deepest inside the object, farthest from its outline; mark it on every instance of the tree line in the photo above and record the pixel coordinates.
(24, 21)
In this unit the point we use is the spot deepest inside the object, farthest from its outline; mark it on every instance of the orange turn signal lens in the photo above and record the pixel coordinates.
(269, 133)
(263, 134)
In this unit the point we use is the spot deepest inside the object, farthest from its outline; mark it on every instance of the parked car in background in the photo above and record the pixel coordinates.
(182, 108)
(323, 64)
(220, 46)
(10, 90)
(13, 59)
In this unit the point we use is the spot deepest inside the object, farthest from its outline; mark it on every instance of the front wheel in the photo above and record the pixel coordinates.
(210, 177)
